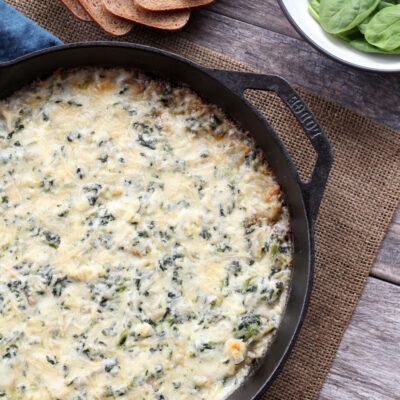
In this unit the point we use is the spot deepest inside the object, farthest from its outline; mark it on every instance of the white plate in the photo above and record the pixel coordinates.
(297, 12)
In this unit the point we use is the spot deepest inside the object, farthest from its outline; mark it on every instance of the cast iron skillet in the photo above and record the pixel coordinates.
(224, 88)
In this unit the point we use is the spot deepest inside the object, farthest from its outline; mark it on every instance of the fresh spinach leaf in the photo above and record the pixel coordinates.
(348, 36)
(339, 16)
(380, 18)
(383, 4)
(313, 13)
(386, 3)
(315, 5)
(383, 30)
(362, 45)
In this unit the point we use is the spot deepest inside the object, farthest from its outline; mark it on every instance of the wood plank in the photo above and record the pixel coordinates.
(377, 95)
(367, 365)
(263, 13)
(387, 263)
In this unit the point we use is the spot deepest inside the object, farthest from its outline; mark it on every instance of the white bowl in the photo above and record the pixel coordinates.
(298, 14)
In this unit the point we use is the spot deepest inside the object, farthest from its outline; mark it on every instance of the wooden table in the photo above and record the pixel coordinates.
(257, 33)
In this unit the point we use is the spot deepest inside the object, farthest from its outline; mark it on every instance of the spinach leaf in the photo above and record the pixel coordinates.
(338, 16)
(362, 45)
(348, 36)
(248, 326)
(383, 30)
(382, 21)
(363, 26)
(383, 4)
(315, 5)
(314, 13)
(387, 3)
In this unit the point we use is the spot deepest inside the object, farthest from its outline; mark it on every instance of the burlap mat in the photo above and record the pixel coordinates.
(362, 194)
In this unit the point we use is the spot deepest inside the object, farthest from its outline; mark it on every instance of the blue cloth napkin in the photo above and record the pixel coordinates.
(19, 35)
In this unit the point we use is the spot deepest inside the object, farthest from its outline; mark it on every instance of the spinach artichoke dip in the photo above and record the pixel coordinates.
(144, 250)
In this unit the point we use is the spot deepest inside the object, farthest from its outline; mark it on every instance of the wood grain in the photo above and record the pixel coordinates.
(374, 95)
(367, 365)
(263, 13)
(387, 263)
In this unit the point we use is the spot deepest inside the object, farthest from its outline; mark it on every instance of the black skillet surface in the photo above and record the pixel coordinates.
(224, 88)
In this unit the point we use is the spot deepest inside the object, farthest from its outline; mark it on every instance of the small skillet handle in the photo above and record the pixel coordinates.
(312, 190)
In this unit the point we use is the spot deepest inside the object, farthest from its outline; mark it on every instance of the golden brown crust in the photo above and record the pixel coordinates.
(140, 222)
(167, 20)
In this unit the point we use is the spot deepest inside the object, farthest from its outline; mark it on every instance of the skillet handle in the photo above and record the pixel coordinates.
(312, 190)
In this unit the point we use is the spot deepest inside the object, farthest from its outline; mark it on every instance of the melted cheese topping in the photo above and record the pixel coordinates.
(144, 243)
